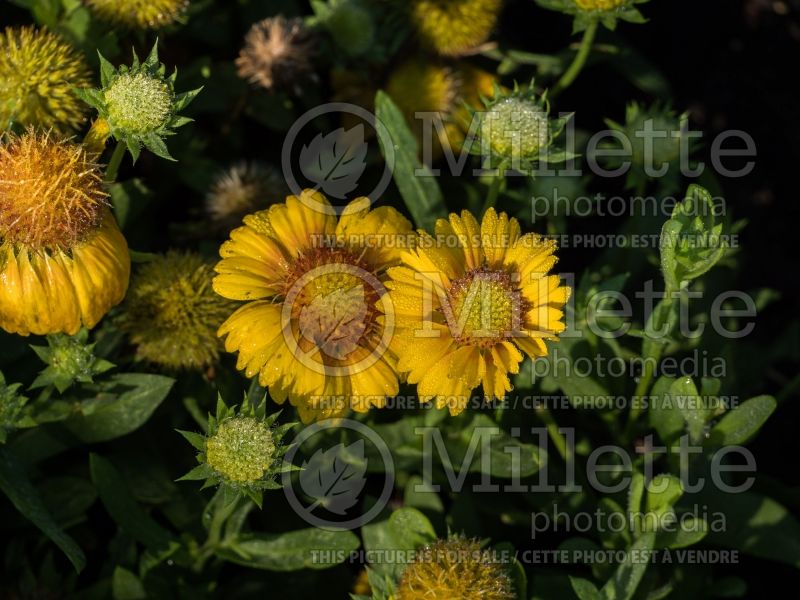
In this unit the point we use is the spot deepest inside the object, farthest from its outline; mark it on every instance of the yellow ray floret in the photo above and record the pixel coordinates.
(469, 302)
(315, 327)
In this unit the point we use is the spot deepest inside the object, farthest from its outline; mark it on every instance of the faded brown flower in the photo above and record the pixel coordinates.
(277, 54)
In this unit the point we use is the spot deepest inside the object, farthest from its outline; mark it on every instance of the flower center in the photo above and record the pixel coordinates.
(241, 450)
(333, 299)
(51, 193)
(484, 307)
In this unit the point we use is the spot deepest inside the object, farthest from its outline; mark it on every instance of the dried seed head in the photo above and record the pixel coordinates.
(277, 55)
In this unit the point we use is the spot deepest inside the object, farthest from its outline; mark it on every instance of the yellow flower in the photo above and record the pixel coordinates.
(469, 302)
(318, 323)
(172, 313)
(38, 72)
(425, 87)
(454, 27)
(589, 5)
(454, 568)
(140, 14)
(63, 261)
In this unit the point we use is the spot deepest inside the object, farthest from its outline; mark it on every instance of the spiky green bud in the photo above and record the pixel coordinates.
(69, 360)
(242, 452)
(139, 103)
(516, 130)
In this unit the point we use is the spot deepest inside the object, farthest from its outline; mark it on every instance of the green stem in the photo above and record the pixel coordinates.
(579, 61)
(494, 188)
(651, 354)
(559, 440)
(116, 160)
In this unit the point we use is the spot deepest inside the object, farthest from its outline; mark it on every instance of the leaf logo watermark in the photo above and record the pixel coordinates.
(334, 478)
(335, 161)
(325, 488)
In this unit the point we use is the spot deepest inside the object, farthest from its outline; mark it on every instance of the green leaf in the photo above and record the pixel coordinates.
(743, 422)
(410, 528)
(622, 586)
(111, 416)
(585, 589)
(691, 242)
(126, 586)
(185, 99)
(292, 551)
(107, 71)
(756, 525)
(154, 143)
(663, 413)
(663, 492)
(126, 512)
(683, 394)
(15, 484)
(417, 185)
(687, 533)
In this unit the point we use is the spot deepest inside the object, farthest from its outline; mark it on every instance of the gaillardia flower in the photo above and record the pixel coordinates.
(63, 261)
(172, 313)
(38, 71)
(277, 55)
(138, 104)
(317, 325)
(469, 302)
(242, 452)
(455, 568)
(454, 27)
(243, 189)
(140, 14)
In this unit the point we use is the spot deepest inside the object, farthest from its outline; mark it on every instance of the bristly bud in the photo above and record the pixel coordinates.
(454, 568)
(172, 313)
(277, 55)
(38, 71)
(69, 360)
(140, 14)
(242, 452)
(139, 103)
(516, 130)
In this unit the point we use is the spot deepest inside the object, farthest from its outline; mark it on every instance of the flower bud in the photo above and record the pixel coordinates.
(241, 450)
